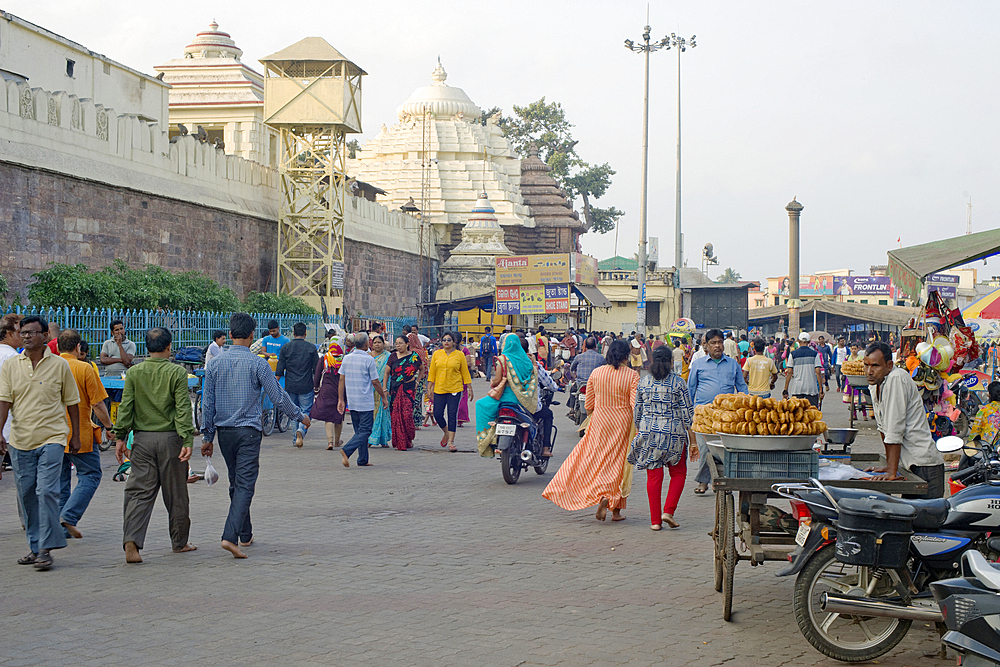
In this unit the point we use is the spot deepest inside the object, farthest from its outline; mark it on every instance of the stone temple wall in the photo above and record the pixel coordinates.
(81, 184)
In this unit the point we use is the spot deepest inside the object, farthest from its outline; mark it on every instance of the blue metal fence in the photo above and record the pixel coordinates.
(189, 328)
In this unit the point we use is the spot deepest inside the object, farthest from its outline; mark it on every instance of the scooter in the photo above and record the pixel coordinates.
(578, 399)
(970, 606)
(519, 439)
(859, 587)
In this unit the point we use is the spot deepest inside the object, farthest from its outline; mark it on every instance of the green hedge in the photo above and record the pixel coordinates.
(152, 288)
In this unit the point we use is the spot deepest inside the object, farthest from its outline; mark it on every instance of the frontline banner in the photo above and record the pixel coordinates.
(862, 285)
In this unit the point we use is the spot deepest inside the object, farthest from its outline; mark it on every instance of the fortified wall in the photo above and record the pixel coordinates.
(81, 184)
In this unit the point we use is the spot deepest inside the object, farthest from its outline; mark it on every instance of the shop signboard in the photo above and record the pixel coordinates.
(533, 300)
(808, 285)
(533, 269)
(946, 284)
(862, 286)
(584, 269)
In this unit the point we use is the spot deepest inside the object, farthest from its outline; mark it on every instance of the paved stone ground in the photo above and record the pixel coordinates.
(428, 558)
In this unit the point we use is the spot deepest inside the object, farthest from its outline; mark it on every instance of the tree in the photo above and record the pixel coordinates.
(269, 302)
(729, 277)
(352, 148)
(3, 286)
(544, 124)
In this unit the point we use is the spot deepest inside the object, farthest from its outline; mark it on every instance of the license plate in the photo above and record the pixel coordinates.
(803, 533)
(506, 429)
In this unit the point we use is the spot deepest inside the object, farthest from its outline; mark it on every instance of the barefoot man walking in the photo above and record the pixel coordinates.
(156, 409)
(231, 405)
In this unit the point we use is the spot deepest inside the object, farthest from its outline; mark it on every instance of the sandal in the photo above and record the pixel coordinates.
(701, 489)
(329, 446)
(27, 560)
(444, 441)
(453, 448)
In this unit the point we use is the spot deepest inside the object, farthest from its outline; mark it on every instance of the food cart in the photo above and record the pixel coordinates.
(739, 503)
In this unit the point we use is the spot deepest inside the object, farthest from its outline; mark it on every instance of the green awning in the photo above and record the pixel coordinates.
(909, 266)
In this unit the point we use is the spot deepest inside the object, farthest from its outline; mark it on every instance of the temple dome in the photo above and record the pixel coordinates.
(440, 99)
(212, 43)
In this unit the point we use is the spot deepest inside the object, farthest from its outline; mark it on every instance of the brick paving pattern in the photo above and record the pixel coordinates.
(428, 558)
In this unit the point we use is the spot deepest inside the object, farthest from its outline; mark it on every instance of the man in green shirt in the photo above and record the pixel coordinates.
(156, 408)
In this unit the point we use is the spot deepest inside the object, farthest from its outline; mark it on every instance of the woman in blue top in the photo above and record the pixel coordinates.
(521, 376)
(663, 415)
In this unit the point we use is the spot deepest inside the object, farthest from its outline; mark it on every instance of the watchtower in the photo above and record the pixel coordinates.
(312, 96)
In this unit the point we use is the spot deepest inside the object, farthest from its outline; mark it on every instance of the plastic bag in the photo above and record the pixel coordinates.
(211, 475)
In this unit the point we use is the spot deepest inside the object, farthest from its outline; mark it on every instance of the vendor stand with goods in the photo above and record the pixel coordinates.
(756, 443)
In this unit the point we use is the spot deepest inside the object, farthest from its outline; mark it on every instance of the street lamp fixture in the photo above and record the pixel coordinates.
(645, 48)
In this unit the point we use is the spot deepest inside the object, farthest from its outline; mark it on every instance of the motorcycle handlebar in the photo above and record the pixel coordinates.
(962, 475)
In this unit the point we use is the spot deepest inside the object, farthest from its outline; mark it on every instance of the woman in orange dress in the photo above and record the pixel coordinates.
(593, 472)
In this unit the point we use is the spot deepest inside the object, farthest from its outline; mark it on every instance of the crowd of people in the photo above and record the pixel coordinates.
(640, 397)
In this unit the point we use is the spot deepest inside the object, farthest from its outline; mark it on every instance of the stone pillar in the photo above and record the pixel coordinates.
(794, 208)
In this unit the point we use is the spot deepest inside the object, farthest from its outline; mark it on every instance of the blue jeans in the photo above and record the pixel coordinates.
(88, 477)
(305, 403)
(488, 365)
(363, 422)
(36, 473)
(240, 447)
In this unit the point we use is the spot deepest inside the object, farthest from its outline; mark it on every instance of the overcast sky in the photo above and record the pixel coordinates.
(881, 117)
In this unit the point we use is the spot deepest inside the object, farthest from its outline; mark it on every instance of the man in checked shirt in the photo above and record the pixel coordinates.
(231, 405)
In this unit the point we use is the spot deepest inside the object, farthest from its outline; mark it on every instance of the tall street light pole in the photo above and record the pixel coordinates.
(794, 209)
(645, 48)
(680, 45)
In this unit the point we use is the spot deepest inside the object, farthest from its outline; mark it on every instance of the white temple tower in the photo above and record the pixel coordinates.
(440, 151)
(213, 88)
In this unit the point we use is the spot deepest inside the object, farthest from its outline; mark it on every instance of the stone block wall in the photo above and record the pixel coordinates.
(381, 281)
(49, 217)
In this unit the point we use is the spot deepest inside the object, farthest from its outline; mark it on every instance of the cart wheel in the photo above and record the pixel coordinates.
(717, 532)
(729, 557)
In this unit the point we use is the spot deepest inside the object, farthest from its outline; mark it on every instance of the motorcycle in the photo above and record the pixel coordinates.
(578, 399)
(968, 404)
(970, 606)
(519, 439)
(858, 588)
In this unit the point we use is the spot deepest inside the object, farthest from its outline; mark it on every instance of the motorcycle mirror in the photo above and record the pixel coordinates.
(950, 443)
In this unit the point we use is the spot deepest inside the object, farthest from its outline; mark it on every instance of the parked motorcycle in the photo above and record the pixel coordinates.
(865, 560)
(519, 439)
(970, 606)
(968, 404)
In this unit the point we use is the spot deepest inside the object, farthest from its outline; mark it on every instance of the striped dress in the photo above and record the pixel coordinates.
(595, 467)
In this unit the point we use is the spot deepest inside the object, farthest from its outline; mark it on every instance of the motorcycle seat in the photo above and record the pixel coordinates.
(982, 569)
(931, 514)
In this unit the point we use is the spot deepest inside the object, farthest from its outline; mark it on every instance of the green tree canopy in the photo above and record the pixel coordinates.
(544, 124)
(269, 302)
(729, 277)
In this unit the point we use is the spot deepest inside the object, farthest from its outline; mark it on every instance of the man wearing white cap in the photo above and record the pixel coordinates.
(804, 377)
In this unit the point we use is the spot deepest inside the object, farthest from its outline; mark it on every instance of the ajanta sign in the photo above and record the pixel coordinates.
(546, 269)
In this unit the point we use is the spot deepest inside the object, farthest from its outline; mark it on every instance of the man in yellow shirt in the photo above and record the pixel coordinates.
(40, 389)
(88, 460)
(760, 371)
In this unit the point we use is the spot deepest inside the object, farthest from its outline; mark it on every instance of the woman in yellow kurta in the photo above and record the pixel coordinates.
(447, 377)
(987, 422)
(593, 472)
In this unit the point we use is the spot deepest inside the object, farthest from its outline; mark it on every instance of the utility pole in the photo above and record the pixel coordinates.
(680, 44)
(646, 48)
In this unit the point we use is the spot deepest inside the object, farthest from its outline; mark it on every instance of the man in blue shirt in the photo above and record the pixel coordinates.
(273, 343)
(358, 382)
(488, 350)
(709, 376)
(231, 404)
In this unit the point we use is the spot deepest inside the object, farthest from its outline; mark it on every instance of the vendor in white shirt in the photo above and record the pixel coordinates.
(902, 422)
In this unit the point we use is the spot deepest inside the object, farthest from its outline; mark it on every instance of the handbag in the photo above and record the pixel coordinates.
(496, 392)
